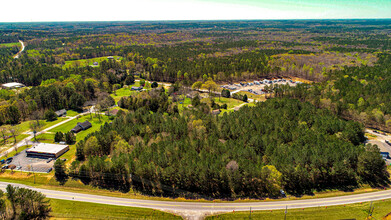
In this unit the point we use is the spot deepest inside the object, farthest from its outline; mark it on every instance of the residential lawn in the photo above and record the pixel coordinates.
(352, 211)
(96, 123)
(84, 210)
(124, 92)
(72, 113)
(46, 138)
(47, 124)
(86, 62)
(182, 104)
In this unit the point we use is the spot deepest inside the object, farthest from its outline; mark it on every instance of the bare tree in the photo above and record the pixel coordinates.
(3, 131)
(35, 126)
(14, 130)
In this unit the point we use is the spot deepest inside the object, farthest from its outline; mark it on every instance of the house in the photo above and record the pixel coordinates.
(216, 112)
(112, 112)
(61, 113)
(135, 88)
(95, 64)
(110, 57)
(81, 127)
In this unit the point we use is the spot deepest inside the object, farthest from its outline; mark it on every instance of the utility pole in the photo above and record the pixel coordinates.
(250, 212)
(286, 211)
(370, 211)
(33, 172)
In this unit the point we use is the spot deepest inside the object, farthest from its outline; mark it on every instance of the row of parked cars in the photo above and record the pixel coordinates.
(262, 82)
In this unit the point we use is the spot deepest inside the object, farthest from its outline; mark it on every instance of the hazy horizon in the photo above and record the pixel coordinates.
(192, 10)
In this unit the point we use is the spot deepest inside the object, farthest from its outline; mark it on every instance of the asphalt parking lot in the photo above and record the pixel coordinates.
(257, 87)
(31, 163)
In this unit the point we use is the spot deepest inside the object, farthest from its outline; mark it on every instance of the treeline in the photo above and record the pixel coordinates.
(358, 93)
(255, 152)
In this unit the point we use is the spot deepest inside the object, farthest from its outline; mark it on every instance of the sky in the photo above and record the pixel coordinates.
(136, 10)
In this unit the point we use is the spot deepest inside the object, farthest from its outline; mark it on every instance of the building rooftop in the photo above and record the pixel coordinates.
(47, 148)
(13, 85)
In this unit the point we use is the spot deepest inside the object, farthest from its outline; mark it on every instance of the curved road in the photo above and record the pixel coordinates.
(21, 50)
(195, 210)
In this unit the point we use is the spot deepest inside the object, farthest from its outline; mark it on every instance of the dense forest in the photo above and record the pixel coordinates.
(254, 152)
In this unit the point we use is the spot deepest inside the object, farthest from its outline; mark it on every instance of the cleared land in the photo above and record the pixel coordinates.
(86, 62)
(10, 44)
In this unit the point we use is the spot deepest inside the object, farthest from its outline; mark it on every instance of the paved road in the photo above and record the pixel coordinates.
(18, 54)
(194, 210)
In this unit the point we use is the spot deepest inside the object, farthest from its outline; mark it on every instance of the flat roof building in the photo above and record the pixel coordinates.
(47, 150)
(12, 85)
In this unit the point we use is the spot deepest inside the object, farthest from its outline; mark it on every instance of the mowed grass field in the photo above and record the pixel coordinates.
(86, 62)
(64, 209)
(93, 119)
(352, 211)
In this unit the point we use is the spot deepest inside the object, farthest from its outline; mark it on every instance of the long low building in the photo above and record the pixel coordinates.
(47, 150)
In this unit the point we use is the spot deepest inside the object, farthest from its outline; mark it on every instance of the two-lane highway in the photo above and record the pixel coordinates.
(195, 210)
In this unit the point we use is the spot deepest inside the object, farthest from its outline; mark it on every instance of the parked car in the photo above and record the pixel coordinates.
(50, 169)
(49, 160)
(2, 161)
(19, 167)
(282, 193)
(4, 167)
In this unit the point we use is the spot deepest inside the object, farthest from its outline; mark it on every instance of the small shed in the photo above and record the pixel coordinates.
(112, 112)
(216, 112)
(135, 88)
(61, 113)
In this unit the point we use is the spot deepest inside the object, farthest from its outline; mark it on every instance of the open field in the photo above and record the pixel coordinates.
(351, 211)
(10, 44)
(63, 209)
(86, 62)
(259, 98)
(124, 92)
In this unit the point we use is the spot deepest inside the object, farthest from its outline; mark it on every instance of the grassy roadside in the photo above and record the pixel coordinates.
(47, 181)
(64, 209)
(351, 211)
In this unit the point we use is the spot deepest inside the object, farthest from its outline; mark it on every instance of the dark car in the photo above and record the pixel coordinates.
(50, 169)
(49, 160)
